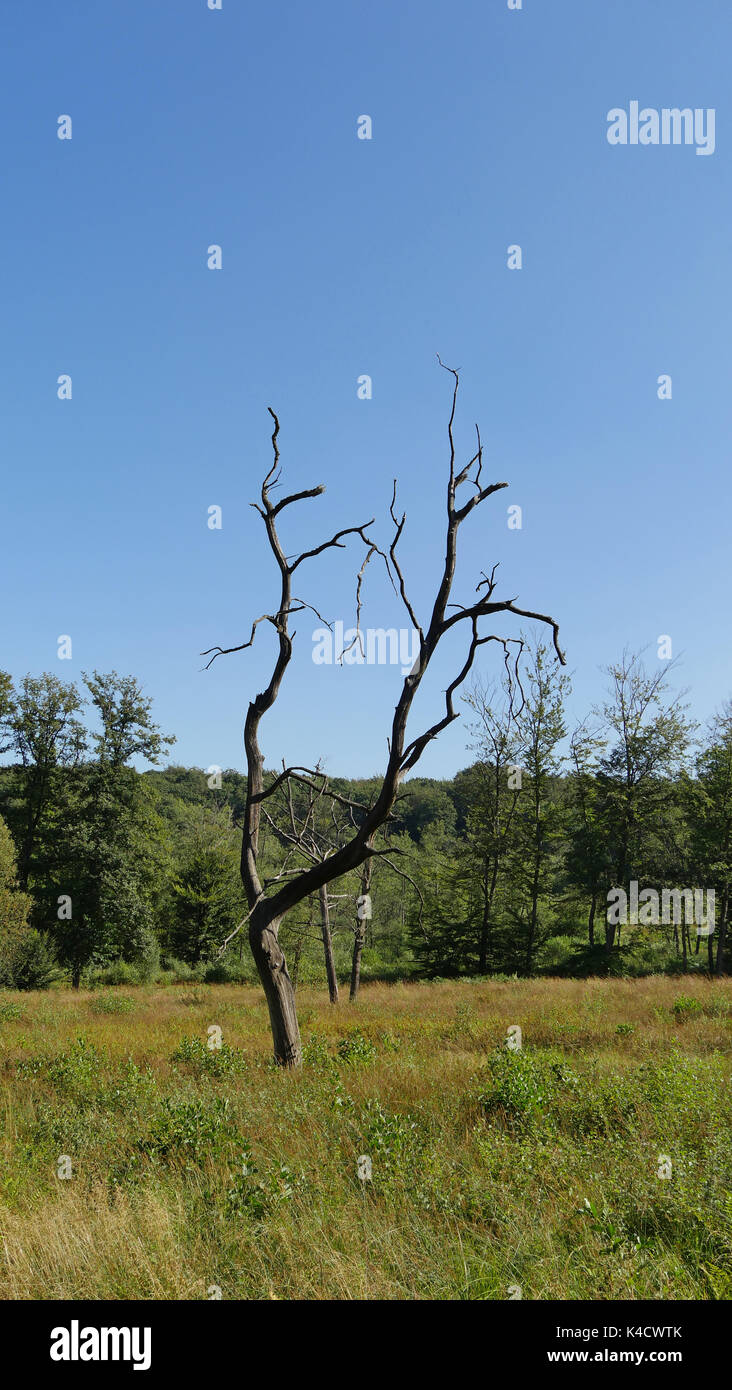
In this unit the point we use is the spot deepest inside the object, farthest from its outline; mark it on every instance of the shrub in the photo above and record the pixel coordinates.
(112, 1004)
(255, 1196)
(9, 1010)
(222, 972)
(120, 972)
(27, 961)
(315, 1053)
(178, 972)
(686, 1006)
(356, 1049)
(191, 1129)
(524, 1085)
(82, 1060)
(147, 956)
(392, 1140)
(204, 1061)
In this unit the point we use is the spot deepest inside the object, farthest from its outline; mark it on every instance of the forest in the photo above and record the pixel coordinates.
(114, 875)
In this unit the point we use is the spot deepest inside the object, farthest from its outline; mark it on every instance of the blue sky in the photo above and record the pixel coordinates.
(344, 257)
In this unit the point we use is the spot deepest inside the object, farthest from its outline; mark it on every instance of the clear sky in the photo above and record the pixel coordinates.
(343, 257)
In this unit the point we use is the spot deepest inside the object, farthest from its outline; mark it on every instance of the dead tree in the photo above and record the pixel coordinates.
(269, 902)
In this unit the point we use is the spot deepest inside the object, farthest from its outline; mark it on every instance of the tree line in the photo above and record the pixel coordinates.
(107, 872)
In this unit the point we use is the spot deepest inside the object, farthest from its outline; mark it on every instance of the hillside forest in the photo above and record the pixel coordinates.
(117, 865)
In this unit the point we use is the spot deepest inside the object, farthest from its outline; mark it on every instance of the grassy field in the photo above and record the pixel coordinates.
(194, 1170)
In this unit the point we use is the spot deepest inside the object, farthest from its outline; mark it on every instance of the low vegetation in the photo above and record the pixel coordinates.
(198, 1170)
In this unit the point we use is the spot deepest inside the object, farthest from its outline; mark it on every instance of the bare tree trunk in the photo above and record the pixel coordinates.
(330, 969)
(277, 986)
(359, 934)
(488, 895)
(296, 962)
(533, 919)
(298, 950)
(721, 936)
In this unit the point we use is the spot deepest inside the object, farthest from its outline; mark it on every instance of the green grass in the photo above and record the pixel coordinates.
(196, 1169)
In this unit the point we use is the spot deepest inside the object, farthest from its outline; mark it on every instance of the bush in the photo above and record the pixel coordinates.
(255, 1196)
(78, 1071)
(394, 1141)
(112, 1004)
(191, 1131)
(202, 1060)
(120, 972)
(686, 1006)
(356, 1049)
(223, 972)
(147, 956)
(27, 960)
(178, 972)
(524, 1086)
(315, 1054)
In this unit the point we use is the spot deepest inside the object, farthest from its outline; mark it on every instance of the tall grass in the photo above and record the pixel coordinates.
(197, 1171)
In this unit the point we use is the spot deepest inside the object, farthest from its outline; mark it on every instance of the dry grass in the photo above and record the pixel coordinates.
(490, 1168)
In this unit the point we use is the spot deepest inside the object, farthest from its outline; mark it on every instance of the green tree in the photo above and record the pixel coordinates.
(26, 960)
(538, 825)
(649, 737)
(445, 935)
(206, 897)
(47, 738)
(109, 847)
(7, 709)
(491, 788)
(709, 803)
(586, 860)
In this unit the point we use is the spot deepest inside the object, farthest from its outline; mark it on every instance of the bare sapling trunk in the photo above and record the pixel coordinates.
(719, 968)
(296, 962)
(330, 969)
(360, 929)
(269, 900)
(489, 887)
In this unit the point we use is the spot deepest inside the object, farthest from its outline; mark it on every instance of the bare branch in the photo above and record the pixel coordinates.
(298, 497)
(335, 541)
(226, 651)
(392, 551)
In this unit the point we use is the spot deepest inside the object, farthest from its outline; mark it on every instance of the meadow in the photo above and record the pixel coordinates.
(593, 1162)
